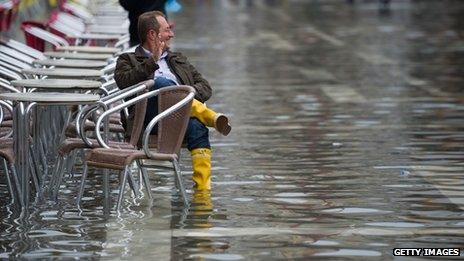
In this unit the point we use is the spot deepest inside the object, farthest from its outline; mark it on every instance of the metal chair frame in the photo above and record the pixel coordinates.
(149, 154)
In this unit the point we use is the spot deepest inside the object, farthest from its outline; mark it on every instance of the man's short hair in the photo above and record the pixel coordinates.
(147, 21)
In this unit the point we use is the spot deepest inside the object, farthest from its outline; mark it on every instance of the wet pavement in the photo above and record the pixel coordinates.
(347, 142)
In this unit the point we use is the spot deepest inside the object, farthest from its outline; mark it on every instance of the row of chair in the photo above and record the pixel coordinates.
(96, 128)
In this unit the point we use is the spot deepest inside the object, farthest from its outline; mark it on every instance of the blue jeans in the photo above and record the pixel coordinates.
(197, 134)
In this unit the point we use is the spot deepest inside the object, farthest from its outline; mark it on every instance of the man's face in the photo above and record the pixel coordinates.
(165, 32)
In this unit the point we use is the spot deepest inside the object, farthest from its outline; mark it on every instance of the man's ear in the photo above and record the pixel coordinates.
(151, 35)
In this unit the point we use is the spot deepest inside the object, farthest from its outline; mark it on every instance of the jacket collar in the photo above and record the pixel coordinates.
(139, 52)
(176, 56)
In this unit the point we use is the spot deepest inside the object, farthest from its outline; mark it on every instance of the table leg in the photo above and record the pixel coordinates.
(21, 148)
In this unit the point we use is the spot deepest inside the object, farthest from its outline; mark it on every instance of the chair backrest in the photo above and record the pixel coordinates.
(14, 61)
(172, 128)
(10, 74)
(5, 86)
(37, 36)
(20, 47)
(139, 116)
(72, 22)
(16, 54)
(77, 10)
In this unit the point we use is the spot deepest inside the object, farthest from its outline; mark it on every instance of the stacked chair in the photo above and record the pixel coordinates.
(76, 31)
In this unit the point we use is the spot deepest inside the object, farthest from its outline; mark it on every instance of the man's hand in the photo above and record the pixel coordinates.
(158, 48)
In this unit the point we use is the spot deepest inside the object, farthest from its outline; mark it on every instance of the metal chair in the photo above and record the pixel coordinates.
(80, 141)
(174, 105)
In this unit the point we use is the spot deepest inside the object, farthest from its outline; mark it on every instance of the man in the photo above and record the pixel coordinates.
(153, 59)
(137, 7)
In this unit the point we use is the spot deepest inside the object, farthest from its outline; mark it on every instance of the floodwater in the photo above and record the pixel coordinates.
(347, 142)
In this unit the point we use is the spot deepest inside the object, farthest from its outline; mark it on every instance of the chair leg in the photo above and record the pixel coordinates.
(43, 158)
(58, 177)
(146, 180)
(16, 181)
(180, 182)
(35, 175)
(106, 192)
(8, 180)
(71, 162)
(55, 173)
(81, 187)
(133, 185)
(122, 186)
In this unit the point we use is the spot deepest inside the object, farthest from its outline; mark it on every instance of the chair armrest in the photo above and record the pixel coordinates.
(104, 104)
(5, 105)
(148, 84)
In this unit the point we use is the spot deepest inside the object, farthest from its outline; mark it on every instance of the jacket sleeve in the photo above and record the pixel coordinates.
(128, 73)
(200, 84)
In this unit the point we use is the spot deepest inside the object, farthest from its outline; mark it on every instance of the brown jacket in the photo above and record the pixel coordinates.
(132, 68)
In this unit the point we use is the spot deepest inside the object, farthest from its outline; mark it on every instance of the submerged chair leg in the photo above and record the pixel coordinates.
(16, 181)
(8, 180)
(122, 187)
(58, 177)
(43, 158)
(146, 180)
(180, 182)
(81, 187)
(72, 161)
(35, 175)
(133, 185)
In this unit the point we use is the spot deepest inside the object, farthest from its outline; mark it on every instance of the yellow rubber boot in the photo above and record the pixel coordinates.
(201, 164)
(210, 118)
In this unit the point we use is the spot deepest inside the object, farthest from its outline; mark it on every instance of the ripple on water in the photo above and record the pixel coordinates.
(323, 243)
(243, 199)
(292, 200)
(75, 243)
(218, 256)
(350, 252)
(355, 211)
(49, 233)
(395, 224)
(292, 194)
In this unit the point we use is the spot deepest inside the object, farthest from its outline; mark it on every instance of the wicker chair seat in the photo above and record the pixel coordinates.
(4, 131)
(71, 144)
(6, 143)
(7, 115)
(7, 123)
(119, 158)
(7, 153)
